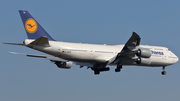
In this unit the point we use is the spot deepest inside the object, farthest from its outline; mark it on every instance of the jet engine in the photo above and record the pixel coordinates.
(143, 61)
(144, 52)
(64, 65)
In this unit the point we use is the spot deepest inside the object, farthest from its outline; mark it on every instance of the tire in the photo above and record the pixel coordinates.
(163, 72)
(96, 72)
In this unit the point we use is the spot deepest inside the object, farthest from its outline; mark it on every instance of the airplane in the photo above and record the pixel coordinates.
(94, 56)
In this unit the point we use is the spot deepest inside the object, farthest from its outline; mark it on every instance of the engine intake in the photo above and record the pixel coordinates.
(144, 52)
(64, 65)
(143, 61)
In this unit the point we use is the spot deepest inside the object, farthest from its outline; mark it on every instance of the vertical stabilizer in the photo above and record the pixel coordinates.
(32, 27)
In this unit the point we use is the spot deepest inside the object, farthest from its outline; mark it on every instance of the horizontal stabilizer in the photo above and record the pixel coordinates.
(15, 44)
(42, 41)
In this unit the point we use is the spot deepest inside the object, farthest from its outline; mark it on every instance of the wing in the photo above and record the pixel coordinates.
(51, 58)
(55, 59)
(128, 53)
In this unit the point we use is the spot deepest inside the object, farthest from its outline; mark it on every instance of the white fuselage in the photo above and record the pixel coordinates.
(92, 53)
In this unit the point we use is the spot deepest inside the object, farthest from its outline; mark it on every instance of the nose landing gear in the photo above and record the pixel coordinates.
(163, 72)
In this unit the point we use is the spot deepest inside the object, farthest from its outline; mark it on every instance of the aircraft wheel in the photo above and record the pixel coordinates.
(117, 70)
(163, 72)
(119, 67)
(96, 72)
(107, 69)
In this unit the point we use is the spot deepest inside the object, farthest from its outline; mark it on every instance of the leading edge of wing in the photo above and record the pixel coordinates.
(128, 49)
(51, 58)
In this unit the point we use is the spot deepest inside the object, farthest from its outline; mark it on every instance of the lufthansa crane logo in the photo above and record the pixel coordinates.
(31, 25)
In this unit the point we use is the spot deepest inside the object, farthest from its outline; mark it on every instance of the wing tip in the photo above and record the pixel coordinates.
(134, 33)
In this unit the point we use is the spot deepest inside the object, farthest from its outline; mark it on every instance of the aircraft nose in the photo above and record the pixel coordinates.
(177, 59)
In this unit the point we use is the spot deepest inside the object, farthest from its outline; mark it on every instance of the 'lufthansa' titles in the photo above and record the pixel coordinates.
(157, 53)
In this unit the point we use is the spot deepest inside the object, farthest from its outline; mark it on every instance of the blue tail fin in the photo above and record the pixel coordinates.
(32, 27)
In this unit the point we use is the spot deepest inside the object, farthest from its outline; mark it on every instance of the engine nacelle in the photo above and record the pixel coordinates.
(143, 61)
(64, 65)
(144, 52)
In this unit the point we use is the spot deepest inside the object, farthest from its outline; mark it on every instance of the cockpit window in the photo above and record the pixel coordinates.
(168, 50)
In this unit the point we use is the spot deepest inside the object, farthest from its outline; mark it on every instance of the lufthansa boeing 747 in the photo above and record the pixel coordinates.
(96, 57)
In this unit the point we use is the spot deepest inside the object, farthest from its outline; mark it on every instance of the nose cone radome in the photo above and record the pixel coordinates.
(176, 60)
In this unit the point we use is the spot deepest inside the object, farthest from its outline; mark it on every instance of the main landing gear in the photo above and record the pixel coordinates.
(163, 72)
(118, 69)
(97, 70)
